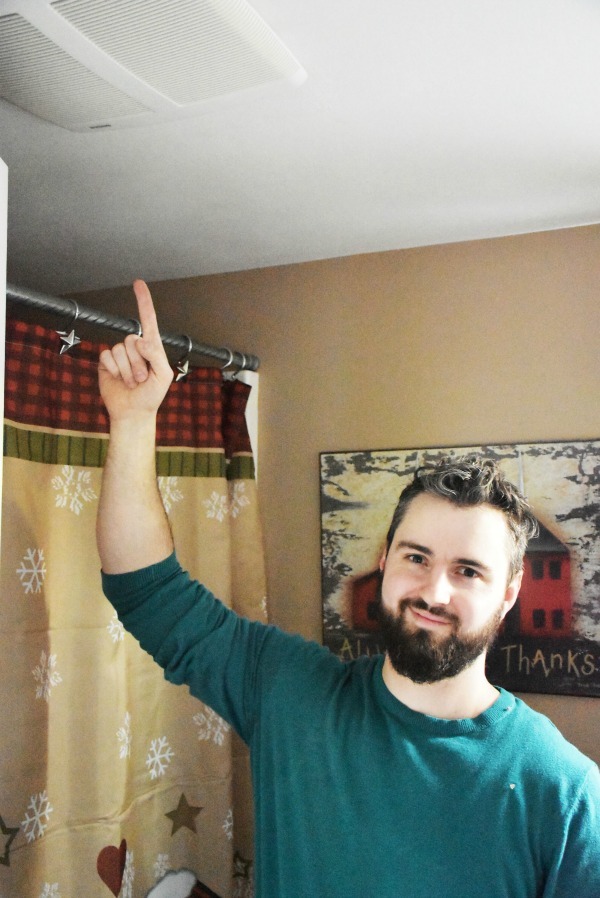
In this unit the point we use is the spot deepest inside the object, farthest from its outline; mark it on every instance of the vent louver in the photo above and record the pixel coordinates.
(88, 65)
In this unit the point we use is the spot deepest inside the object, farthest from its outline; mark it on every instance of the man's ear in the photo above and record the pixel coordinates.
(512, 593)
(382, 560)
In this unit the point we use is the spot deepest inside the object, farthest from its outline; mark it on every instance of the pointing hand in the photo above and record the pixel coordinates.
(134, 376)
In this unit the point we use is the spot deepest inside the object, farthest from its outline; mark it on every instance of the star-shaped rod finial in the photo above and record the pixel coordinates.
(183, 366)
(69, 339)
(183, 369)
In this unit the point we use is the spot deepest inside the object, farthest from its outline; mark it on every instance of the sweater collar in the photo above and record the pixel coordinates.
(439, 726)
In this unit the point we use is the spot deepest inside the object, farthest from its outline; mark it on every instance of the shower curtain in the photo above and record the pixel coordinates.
(114, 781)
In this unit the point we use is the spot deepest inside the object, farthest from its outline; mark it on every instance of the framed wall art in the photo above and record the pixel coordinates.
(550, 640)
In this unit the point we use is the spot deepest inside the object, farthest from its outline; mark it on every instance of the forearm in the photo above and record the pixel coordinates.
(132, 527)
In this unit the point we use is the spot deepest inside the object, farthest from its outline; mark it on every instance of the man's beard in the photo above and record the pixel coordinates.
(423, 656)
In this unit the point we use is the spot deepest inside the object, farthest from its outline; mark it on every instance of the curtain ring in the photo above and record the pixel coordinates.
(229, 360)
(68, 337)
(183, 366)
(228, 375)
(138, 326)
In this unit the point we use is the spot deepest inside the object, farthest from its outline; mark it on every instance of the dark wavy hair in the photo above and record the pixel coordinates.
(472, 481)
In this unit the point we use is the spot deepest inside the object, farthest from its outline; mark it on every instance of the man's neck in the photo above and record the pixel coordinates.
(466, 695)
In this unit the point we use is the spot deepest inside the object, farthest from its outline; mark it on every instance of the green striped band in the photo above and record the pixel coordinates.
(90, 452)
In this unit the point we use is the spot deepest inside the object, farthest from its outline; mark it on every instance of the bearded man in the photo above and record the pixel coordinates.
(407, 775)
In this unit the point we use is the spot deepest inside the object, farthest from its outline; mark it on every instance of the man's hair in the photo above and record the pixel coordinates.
(471, 481)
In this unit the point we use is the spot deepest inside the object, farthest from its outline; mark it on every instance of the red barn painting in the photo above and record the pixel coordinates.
(544, 607)
(550, 641)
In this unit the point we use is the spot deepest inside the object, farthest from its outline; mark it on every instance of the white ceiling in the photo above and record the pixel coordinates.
(420, 122)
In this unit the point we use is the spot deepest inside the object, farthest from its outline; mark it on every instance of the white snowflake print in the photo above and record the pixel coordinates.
(124, 737)
(46, 675)
(37, 816)
(162, 865)
(128, 876)
(170, 494)
(73, 489)
(217, 507)
(228, 825)
(238, 498)
(116, 629)
(210, 726)
(50, 891)
(32, 570)
(159, 757)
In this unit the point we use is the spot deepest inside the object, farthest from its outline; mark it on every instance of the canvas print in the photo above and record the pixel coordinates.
(550, 640)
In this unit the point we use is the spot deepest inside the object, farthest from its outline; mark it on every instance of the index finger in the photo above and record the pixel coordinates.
(146, 311)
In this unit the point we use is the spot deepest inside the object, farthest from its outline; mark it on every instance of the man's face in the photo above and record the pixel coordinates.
(444, 588)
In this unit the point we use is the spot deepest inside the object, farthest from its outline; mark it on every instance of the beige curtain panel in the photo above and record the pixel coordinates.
(114, 781)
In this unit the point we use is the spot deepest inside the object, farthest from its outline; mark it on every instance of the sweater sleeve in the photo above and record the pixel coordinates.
(577, 870)
(194, 637)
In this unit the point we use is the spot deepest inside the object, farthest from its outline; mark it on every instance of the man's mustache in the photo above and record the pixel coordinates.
(421, 605)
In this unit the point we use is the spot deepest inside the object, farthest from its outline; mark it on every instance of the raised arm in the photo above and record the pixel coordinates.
(134, 376)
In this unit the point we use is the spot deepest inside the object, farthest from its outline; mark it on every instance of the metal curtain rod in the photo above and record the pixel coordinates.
(182, 342)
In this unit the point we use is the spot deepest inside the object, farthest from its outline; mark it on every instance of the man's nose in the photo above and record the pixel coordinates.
(437, 590)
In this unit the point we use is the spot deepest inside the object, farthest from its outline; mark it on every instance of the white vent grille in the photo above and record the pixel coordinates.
(38, 76)
(84, 64)
(188, 51)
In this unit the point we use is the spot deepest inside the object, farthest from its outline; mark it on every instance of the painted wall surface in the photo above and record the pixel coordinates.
(489, 341)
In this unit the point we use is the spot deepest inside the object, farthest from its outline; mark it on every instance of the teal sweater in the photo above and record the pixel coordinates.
(355, 794)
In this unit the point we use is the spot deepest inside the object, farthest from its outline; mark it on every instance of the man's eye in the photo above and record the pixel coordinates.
(416, 559)
(469, 572)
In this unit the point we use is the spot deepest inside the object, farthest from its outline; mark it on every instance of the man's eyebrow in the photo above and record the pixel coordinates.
(405, 544)
(470, 562)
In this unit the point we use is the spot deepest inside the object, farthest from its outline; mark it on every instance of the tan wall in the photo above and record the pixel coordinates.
(489, 341)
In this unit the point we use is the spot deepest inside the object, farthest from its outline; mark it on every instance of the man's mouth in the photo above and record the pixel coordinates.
(428, 619)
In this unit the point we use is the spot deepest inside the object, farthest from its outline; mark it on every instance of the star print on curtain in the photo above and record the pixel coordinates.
(113, 780)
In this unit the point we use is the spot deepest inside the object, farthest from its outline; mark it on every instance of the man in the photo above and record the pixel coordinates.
(403, 776)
